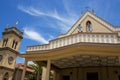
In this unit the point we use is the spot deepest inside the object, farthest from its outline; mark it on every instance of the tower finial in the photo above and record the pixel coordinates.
(87, 8)
(7, 26)
(16, 24)
(93, 11)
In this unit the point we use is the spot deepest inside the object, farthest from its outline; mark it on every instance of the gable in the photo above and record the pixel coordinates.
(98, 25)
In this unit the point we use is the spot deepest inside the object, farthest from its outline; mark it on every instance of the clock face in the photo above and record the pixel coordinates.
(10, 60)
(1, 57)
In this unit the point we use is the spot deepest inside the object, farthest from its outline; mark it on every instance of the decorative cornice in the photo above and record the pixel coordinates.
(6, 68)
(74, 50)
(73, 45)
(7, 48)
(13, 33)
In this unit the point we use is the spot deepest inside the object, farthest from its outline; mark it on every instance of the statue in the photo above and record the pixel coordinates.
(79, 27)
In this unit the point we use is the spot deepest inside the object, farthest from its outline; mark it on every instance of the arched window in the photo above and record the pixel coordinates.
(6, 76)
(88, 26)
(14, 44)
(5, 42)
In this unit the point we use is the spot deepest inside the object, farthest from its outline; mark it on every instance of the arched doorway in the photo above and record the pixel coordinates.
(6, 76)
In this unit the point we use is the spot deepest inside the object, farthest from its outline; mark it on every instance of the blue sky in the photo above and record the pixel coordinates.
(43, 20)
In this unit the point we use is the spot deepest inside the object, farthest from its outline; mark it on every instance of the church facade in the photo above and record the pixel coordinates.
(9, 47)
(90, 50)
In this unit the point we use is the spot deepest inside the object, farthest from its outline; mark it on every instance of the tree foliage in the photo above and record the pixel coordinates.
(33, 76)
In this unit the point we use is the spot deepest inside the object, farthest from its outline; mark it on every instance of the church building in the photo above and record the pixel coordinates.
(9, 50)
(90, 50)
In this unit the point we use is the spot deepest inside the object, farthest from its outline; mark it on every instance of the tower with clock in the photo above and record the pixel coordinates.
(9, 49)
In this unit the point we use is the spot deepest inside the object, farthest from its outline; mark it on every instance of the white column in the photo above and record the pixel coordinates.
(61, 42)
(78, 38)
(69, 40)
(24, 69)
(110, 39)
(54, 44)
(50, 45)
(95, 37)
(40, 47)
(91, 38)
(48, 70)
(82, 40)
(115, 39)
(73, 39)
(65, 41)
(105, 40)
(100, 38)
(86, 38)
(58, 43)
(43, 73)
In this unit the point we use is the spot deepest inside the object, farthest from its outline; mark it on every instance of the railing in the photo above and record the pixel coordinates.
(81, 37)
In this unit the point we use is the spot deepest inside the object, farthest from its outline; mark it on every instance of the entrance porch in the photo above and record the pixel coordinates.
(78, 62)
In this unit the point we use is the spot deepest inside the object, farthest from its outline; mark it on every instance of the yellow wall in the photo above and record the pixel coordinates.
(2, 73)
(6, 54)
(96, 26)
(12, 37)
(104, 73)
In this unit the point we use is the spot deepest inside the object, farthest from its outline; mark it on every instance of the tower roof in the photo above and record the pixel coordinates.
(13, 30)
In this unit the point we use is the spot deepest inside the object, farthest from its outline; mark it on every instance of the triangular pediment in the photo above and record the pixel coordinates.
(98, 25)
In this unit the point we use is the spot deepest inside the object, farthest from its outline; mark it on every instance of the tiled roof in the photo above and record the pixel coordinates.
(21, 66)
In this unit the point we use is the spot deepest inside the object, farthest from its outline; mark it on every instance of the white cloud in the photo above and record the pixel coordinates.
(58, 17)
(36, 12)
(64, 22)
(30, 11)
(33, 35)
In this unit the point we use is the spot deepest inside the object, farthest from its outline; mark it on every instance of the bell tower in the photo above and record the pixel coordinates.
(9, 49)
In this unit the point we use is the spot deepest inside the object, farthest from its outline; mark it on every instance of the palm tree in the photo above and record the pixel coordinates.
(36, 75)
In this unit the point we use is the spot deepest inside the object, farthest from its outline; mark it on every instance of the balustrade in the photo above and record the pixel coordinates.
(76, 38)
